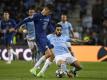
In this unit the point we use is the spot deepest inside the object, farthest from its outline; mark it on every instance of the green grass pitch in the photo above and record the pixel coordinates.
(19, 70)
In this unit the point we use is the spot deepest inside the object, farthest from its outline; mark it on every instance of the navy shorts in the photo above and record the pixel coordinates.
(43, 43)
(8, 39)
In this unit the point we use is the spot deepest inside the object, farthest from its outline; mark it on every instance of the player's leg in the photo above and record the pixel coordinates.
(48, 53)
(73, 62)
(60, 61)
(45, 47)
(41, 60)
(76, 67)
(32, 45)
(44, 68)
(9, 53)
(9, 48)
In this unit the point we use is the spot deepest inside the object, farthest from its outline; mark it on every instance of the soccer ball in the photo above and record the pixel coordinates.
(59, 73)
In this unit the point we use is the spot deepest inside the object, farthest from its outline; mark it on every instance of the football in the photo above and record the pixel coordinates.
(59, 73)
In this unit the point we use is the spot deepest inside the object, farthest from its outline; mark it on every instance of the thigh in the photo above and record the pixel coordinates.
(43, 43)
(59, 58)
(8, 40)
(69, 58)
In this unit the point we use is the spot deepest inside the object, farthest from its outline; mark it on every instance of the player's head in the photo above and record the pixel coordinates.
(6, 15)
(64, 17)
(48, 9)
(31, 11)
(58, 29)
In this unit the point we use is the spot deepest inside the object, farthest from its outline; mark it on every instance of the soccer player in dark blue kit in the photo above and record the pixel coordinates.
(7, 28)
(42, 22)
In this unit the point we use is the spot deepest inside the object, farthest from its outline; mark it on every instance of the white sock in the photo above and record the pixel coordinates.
(43, 58)
(46, 65)
(64, 68)
(12, 51)
(9, 55)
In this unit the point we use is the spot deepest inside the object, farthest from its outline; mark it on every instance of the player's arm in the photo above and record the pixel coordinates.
(72, 34)
(13, 26)
(22, 29)
(23, 22)
(2, 30)
(78, 41)
(71, 30)
(29, 19)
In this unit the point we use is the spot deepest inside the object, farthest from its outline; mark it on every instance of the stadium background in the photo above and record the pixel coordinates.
(80, 13)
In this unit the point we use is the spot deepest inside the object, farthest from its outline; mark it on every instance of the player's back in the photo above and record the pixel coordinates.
(41, 23)
(30, 30)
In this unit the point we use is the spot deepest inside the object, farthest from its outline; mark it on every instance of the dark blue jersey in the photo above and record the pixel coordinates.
(41, 22)
(6, 25)
(4, 28)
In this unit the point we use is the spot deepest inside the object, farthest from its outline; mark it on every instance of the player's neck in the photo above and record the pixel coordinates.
(6, 19)
(64, 21)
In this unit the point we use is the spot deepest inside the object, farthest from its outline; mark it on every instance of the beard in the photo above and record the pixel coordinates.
(58, 34)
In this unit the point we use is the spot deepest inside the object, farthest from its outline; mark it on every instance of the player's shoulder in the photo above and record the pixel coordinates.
(50, 35)
(60, 22)
(65, 37)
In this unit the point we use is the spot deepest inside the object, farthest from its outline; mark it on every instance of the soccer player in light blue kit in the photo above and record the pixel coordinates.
(29, 29)
(62, 50)
(67, 28)
(7, 28)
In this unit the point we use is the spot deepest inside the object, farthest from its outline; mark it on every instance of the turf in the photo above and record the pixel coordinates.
(19, 70)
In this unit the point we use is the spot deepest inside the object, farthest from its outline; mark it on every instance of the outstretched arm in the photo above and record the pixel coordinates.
(23, 22)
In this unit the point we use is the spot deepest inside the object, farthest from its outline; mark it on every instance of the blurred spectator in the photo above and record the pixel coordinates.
(18, 10)
(87, 37)
(94, 38)
(67, 28)
(97, 14)
(49, 2)
(87, 23)
(77, 34)
(83, 7)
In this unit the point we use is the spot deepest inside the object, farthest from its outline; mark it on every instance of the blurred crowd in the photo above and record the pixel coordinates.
(93, 23)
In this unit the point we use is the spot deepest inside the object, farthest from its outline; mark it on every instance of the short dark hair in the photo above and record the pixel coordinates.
(6, 11)
(58, 25)
(32, 8)
(50, 7)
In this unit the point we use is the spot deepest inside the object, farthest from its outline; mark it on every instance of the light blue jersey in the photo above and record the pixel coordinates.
(60, 44)
(31, 30)
(66, 28)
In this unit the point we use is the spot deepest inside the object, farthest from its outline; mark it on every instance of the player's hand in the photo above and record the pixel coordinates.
(20, 29)
(12, 30)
